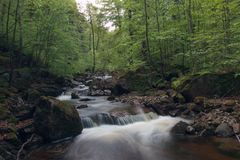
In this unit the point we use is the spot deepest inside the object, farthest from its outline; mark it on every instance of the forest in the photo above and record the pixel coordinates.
(190, 35)
(119, 79)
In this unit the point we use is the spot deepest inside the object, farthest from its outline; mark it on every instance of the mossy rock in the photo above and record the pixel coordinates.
(55, 120)
(207, 85)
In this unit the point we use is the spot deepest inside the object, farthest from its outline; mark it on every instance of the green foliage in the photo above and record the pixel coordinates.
(52, 32)
(197, 35)
(200, 35)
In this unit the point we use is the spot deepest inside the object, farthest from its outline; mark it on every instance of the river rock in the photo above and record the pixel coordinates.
(224, 130)
(190, 130)
(86, 99)
(55, 120)
(199, 100)
(111, 98)
(75, 96)
(180, 128)
(229, 102)
(178, 98)
(107, 92)
(82, 106)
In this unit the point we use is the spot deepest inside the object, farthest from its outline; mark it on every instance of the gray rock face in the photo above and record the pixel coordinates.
(224, 130)
(55, 120)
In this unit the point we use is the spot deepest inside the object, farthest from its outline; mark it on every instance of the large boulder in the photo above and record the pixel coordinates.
(208, 85)
(55, 120)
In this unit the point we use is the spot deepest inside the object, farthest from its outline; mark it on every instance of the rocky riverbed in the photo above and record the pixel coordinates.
(23, 113)
(210, 117)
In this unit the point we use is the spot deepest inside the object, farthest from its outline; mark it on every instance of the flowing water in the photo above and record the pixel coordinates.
(134, 135)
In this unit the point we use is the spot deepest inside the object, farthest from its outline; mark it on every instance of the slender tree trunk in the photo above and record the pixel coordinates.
(20, 29)
(7, 23)
(98, 40)
(159, 41)
(147, 31)
(93, 44)
(3, 12)
(191, 31)
(13, 45)
(226, 25)
(130, 19)
(119, 18)
(15, 22)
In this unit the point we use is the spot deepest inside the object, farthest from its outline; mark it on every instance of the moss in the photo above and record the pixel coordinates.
(59, 106)
(65, 107)
(184, 80)
(178, 83)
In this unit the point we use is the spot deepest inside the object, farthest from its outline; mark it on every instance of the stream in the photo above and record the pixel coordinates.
(117, 131)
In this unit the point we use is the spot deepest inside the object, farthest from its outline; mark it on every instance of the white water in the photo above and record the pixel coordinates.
(64, 97)
(138, 141)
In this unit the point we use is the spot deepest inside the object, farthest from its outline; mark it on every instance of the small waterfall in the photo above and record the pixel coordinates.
(136, 118)
(107, 119)
(88, 122)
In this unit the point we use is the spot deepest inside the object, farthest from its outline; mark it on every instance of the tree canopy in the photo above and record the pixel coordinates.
(192, 35)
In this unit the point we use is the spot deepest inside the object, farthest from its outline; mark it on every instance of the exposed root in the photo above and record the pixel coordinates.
(22, 147)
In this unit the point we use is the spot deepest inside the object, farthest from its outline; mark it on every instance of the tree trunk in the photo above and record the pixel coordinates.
(159, 41)
(147, 31)
(3, 12)
(191, 32)
(20, 29)
(7, 23)
(226, 25)
(93, 44)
